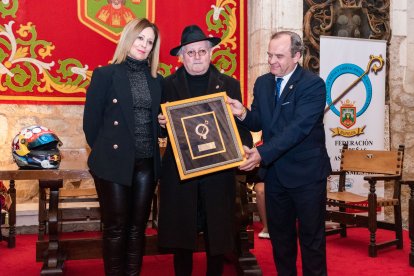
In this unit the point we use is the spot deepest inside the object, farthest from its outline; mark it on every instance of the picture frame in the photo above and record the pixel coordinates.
(203, 135)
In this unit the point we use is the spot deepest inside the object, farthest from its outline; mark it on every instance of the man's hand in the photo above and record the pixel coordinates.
(162, 120)
(237, 108)
(252, 161)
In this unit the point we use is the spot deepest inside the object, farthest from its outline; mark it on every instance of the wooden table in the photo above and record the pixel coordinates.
(52, 180)
(410, 183)
(54, 251)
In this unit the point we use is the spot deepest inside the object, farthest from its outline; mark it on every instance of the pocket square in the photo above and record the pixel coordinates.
(285, 103)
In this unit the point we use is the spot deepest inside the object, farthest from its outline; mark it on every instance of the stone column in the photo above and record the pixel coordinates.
(264, 18)
(408, 88)
(409, 74)
(402, 81)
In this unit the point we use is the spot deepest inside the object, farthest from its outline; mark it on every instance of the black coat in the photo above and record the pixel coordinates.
(108, 123)
(179, 199)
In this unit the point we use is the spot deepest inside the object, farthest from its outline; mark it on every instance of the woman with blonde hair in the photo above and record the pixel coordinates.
(121, 127)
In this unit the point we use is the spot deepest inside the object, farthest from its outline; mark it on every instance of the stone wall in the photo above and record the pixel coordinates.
(401, 80)
(65, 121)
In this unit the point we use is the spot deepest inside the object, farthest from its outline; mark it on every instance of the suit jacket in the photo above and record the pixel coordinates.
(293, 147)
(177, 226)
(108, 123)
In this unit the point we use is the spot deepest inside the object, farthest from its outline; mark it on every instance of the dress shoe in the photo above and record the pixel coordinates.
(263, 235)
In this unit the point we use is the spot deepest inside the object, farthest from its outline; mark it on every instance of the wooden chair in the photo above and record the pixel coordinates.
(4, 226)
(251, 206)
(8, 215)
(247, 263)
(381, 165)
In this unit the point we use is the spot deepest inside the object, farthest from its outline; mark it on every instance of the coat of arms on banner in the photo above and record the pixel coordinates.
(348, 114)
(108, 17)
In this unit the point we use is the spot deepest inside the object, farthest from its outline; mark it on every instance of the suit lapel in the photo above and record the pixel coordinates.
(215, 81)
(181, 86)
(267, 93)
(291, 84)
(271, 96)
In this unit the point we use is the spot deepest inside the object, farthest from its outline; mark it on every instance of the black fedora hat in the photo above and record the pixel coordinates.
(191, 34)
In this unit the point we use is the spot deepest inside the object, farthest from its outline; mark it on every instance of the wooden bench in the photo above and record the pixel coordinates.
(9, 228)
(53, 250)
(91, 247)
(5, 228)
(75, 206)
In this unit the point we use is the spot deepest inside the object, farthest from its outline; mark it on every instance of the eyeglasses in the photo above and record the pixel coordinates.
(201, 53)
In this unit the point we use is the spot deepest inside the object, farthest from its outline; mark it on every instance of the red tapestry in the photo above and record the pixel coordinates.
(49, 48)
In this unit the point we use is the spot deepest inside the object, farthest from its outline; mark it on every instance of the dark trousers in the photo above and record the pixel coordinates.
(183, 258)
(293, 212)
(183, 263)
(125, 211)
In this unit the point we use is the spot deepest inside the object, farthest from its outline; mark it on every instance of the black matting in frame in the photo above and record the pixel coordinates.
(204, 135)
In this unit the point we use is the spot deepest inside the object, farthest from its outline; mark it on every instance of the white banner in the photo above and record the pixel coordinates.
(354, 71)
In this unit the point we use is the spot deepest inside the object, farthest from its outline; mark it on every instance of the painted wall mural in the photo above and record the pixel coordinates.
(49, 48)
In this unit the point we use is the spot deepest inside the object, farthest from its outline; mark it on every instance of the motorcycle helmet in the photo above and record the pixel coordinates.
(36, 147)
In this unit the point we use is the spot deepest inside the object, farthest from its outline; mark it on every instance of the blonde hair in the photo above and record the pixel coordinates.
(128, 36)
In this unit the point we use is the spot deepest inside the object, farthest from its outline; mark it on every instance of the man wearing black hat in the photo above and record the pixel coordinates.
(205, 203)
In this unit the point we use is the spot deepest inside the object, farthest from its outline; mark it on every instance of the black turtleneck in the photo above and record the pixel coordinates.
(198, 84)
(141, 96)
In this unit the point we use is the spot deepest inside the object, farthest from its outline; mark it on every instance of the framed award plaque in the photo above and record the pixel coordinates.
(203, 135)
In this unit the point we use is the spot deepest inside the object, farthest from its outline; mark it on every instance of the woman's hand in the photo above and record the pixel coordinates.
(162, 120)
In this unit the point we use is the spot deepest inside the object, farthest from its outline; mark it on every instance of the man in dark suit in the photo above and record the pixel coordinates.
(293, 158)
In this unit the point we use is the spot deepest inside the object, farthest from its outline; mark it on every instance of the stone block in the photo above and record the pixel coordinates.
(4, 128)
(409, 85)
(399, 5)
(399, 23)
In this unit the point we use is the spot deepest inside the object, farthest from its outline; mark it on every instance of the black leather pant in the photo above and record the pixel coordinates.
(125, 211)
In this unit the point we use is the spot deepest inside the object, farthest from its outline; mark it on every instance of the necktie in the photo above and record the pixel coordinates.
(278, 85)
